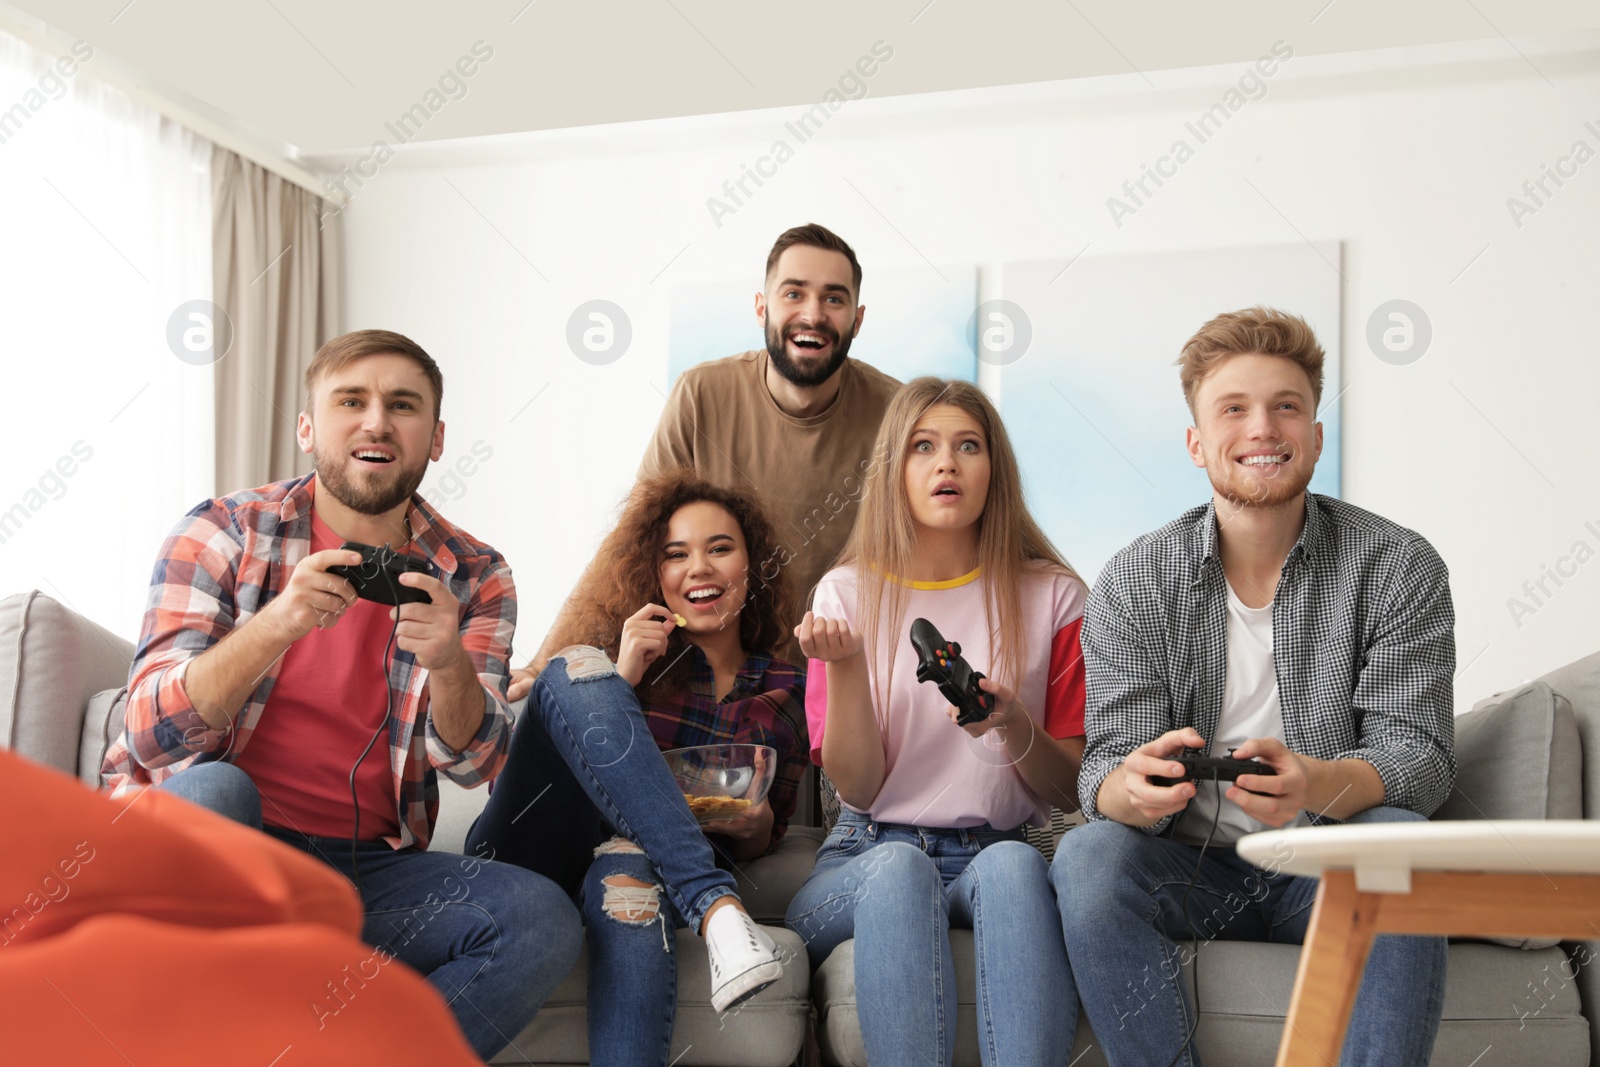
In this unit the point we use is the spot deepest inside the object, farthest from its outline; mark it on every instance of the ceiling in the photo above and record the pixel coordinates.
(316, 77)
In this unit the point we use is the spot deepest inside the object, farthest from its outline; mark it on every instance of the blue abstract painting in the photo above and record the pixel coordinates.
(1093, 404)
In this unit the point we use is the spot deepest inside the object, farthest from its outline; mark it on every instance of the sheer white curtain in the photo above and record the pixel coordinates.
(106, 231)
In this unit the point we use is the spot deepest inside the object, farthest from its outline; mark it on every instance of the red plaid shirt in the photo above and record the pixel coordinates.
(224, 562)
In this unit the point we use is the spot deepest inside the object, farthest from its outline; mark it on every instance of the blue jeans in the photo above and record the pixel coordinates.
(897, 890)
(633, 974)
(493, 939)
(583, 766)
(1121, 895)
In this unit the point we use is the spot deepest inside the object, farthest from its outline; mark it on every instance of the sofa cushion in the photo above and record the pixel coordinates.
(766, 885)
(458, 808)
(52, 660)
(1489, 999)
(1580, 683)
(102, 724)
(1517, 758)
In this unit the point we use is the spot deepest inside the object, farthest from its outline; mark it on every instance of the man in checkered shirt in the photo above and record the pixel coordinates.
(1289, 628)
(265, 690)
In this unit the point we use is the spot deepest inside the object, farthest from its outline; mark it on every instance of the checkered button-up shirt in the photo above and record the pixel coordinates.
(225, 561)
(1363, 647)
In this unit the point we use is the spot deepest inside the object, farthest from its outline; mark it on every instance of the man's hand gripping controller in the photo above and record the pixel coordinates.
(939, 661)
(377, 576)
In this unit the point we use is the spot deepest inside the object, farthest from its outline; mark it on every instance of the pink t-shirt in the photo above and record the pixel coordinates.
(935, 773)
(326, 704)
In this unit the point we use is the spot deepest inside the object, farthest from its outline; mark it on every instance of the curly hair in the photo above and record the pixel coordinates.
(630, 577)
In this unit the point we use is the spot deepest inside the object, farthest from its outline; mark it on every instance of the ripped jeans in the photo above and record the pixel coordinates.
(584, 766)
(633, 974)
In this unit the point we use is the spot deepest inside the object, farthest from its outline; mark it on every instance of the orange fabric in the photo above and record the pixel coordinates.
(71, 853)
(149, 930)
(121, 989)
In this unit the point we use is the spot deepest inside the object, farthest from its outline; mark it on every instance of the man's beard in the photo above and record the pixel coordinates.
(367, 496)
(811, 375)
(1248, 490)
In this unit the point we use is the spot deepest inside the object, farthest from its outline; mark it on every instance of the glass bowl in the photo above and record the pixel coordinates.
(722, 781)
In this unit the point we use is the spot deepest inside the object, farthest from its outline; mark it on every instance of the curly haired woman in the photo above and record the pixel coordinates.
(672, 646)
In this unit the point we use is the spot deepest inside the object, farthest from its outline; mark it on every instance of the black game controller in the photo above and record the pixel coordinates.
(1198, 767)
(377, 576)
(940, 661)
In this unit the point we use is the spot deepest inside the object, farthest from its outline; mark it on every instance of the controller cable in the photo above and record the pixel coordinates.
(1188, 1039)
(388, 712)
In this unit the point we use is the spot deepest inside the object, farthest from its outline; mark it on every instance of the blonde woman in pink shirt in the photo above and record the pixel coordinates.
(930, 832)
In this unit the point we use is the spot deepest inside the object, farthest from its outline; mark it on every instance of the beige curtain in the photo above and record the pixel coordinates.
(275, 272)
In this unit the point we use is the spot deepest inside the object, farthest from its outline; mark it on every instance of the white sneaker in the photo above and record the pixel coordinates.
(744, 960)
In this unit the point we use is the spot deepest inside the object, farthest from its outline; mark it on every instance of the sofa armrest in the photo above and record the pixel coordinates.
(52, 661)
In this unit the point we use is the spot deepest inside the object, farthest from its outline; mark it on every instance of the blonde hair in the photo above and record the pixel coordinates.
(884, 539)
(1259, 329)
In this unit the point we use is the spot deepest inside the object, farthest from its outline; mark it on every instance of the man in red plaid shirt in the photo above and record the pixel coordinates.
(262, 684)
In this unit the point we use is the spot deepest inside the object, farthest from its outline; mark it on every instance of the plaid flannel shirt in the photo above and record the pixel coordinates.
(222, 564)
(1363, 645)
(766, 706)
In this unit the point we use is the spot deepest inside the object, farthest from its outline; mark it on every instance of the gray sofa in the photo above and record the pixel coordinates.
(1532, 752)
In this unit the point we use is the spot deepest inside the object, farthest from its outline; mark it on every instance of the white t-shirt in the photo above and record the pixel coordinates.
(935, 773)
(1250, 708)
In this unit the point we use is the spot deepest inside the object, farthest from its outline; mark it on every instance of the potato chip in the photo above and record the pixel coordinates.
(716, 807)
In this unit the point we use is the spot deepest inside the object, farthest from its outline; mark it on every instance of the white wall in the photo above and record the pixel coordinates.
(1485, 444)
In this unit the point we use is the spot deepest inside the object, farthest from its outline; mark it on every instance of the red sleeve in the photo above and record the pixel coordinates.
(1064, 696)
(817, 706)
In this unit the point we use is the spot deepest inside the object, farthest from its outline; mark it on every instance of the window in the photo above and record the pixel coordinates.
(108, 434)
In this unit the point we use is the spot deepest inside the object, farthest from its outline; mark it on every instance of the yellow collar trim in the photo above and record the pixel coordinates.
(953, 583)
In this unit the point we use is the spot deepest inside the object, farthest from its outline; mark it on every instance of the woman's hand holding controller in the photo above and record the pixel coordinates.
(1008, 711)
